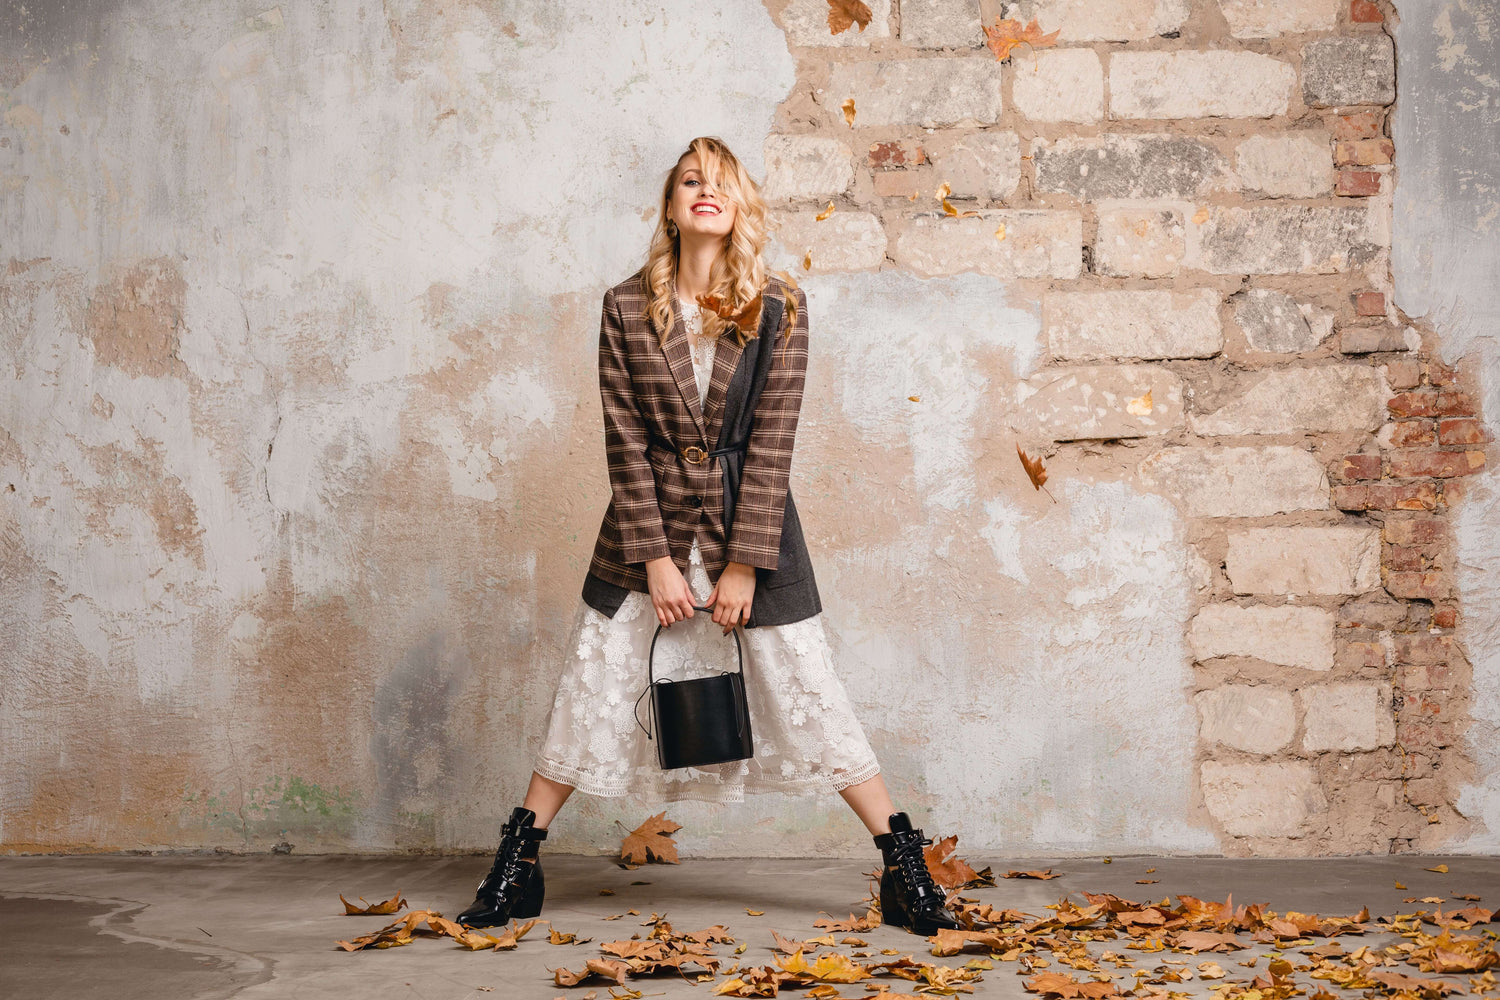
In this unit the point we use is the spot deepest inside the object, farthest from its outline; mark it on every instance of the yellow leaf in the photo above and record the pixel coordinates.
(825, 213)
(848, 107)
(915, 399)
(1440, 869)
(807, 261)
(1140, 406)
(755, 913)
(1000, 232)
(1400, 886)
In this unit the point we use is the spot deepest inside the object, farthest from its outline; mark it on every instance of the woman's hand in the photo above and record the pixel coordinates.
(732, 595)
(670, 595)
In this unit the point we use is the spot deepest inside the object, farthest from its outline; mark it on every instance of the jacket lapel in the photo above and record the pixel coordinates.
(680, 361)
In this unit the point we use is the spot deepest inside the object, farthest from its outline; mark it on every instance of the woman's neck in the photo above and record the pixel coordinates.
(695, 261)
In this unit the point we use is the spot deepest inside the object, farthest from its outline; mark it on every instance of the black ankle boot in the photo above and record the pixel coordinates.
(908, 896)
(514, 886)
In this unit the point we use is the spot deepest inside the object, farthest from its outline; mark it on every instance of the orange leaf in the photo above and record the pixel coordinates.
(848, 107)
(1037, 473)
(651, 841)
(372, 909)
(825, 213)
(843, 13)
(948, 870)
(1008, 33)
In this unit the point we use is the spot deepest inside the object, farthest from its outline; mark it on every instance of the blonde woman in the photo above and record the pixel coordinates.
(702, 357)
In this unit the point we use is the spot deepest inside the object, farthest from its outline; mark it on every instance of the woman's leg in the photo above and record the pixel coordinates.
(871, 802)
(545, 797)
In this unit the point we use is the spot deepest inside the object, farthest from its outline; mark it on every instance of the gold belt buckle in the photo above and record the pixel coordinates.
(695, 454)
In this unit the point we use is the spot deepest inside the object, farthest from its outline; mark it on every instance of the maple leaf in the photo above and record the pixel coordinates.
(651, 841)
(948, 869)
(372, 909)
(843, 13)
(1008, 33)
(747, 317)
(868, 922)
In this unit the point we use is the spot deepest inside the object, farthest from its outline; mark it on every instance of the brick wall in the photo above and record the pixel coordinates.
(1197, 197)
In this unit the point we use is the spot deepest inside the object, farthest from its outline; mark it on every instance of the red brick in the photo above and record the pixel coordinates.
(1369, 303)
(1438, 464)
(1420, 403)
(1462, 430)
(1403, 558)
(1364, 12)
(1358, 655)
(1357, 183)
(1441, 374)
(1360, 467)
(1424, 676)
(1364, 125)
(1403, 374)
(1363, 152)
(1424, 734)
(1386, 496)
(1412, 434)
(1424, 648)
(1429, 585)
(1445, 617)
(1416, 531)
(1452, 403)
(896, 154)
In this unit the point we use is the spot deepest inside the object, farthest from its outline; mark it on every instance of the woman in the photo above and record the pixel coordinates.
(698, 470)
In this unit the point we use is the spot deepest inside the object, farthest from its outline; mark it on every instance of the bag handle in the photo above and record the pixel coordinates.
(651, 668)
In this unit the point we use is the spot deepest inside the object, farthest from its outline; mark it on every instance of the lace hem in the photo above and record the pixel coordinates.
(700, 784)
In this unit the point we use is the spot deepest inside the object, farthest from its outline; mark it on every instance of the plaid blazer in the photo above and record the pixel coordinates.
(665, 487)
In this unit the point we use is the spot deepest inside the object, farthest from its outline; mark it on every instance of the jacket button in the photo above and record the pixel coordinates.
(695, 501)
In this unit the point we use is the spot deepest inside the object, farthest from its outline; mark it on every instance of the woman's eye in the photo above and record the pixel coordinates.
(690, 182)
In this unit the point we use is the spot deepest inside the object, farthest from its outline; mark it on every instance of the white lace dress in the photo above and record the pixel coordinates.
(806, 735)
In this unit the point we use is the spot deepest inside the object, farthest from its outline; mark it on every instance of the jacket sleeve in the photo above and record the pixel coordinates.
(755, 537)
(631, 483)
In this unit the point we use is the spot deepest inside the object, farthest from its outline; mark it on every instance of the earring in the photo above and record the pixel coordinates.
(671, 229)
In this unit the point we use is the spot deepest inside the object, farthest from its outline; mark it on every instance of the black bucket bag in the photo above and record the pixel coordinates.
(701, 721)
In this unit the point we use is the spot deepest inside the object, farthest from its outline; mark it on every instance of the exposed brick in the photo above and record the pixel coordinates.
(1363, 152)
(1403, 558)
(1431, 585)
(1130, 166)
(1364, 12)
(1376, 611)
(1003, 243)
(1462, 430)
(1257, 719)
(1303, 560)
(1454, 404)
(1425, 676)
(1343, 397)
(1386, 496)
(1412, 434)
(1082, 403)
(1061, 85)
(1369, 303)
(802, 167)
(1186, 83)
(1357, 183)
(1362, 125)
(1346, 716)
(1424, 734)
(1437, 464)
(1403, 374)
(1441, 374)
(1118, 21)
(1416, 531)
(904, 183)
(935, 93)
(1272, 321)
(1360, 467)
(1359, 655)
(980, 165)
(1424, 648)
(1285, 635)
(896, 154)
(938, 24)
(1132, 323)
(1143, 240)
(1285, 165)
(1420, 403)
(806, 23)
(1445, 617)
(1283, 239)
(1374, 339)
(1238, 482)
(1262, 800)
(845, 241)
(1268, 18)
(1349, 69)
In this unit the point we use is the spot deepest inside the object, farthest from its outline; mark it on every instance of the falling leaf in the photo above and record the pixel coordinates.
(825, 213)
(1200, 216)
(843, 13)
(1440, 869)
(1000, 232)
(651, 841)
(1037, 473)
(1008, 33)
(372, 909)
(915, 399)
(941, 194)
(1140, 406)
(807, 261)
(848, 107)
(947, 868)
(747, 318)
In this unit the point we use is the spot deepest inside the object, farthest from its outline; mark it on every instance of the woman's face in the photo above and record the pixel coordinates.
(699, 208)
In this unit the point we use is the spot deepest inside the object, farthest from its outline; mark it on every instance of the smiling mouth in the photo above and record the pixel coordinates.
(705, 210)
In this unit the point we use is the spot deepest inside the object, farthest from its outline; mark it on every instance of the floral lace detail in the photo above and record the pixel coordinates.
(806, 735)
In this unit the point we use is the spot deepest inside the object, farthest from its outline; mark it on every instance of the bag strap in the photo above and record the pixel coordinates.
(651, 669)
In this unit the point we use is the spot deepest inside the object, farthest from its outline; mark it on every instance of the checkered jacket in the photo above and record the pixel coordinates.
(659, 499)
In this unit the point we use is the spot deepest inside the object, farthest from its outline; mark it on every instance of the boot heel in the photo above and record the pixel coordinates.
(536, 891)
(892, 913)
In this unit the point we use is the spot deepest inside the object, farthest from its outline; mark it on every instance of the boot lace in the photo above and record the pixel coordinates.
(911, 864)
(509, 868)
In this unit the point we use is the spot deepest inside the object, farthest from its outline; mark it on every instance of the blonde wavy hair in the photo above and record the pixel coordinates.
(738, 275)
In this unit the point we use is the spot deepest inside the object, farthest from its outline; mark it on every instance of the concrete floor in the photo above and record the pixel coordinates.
(188, 926)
